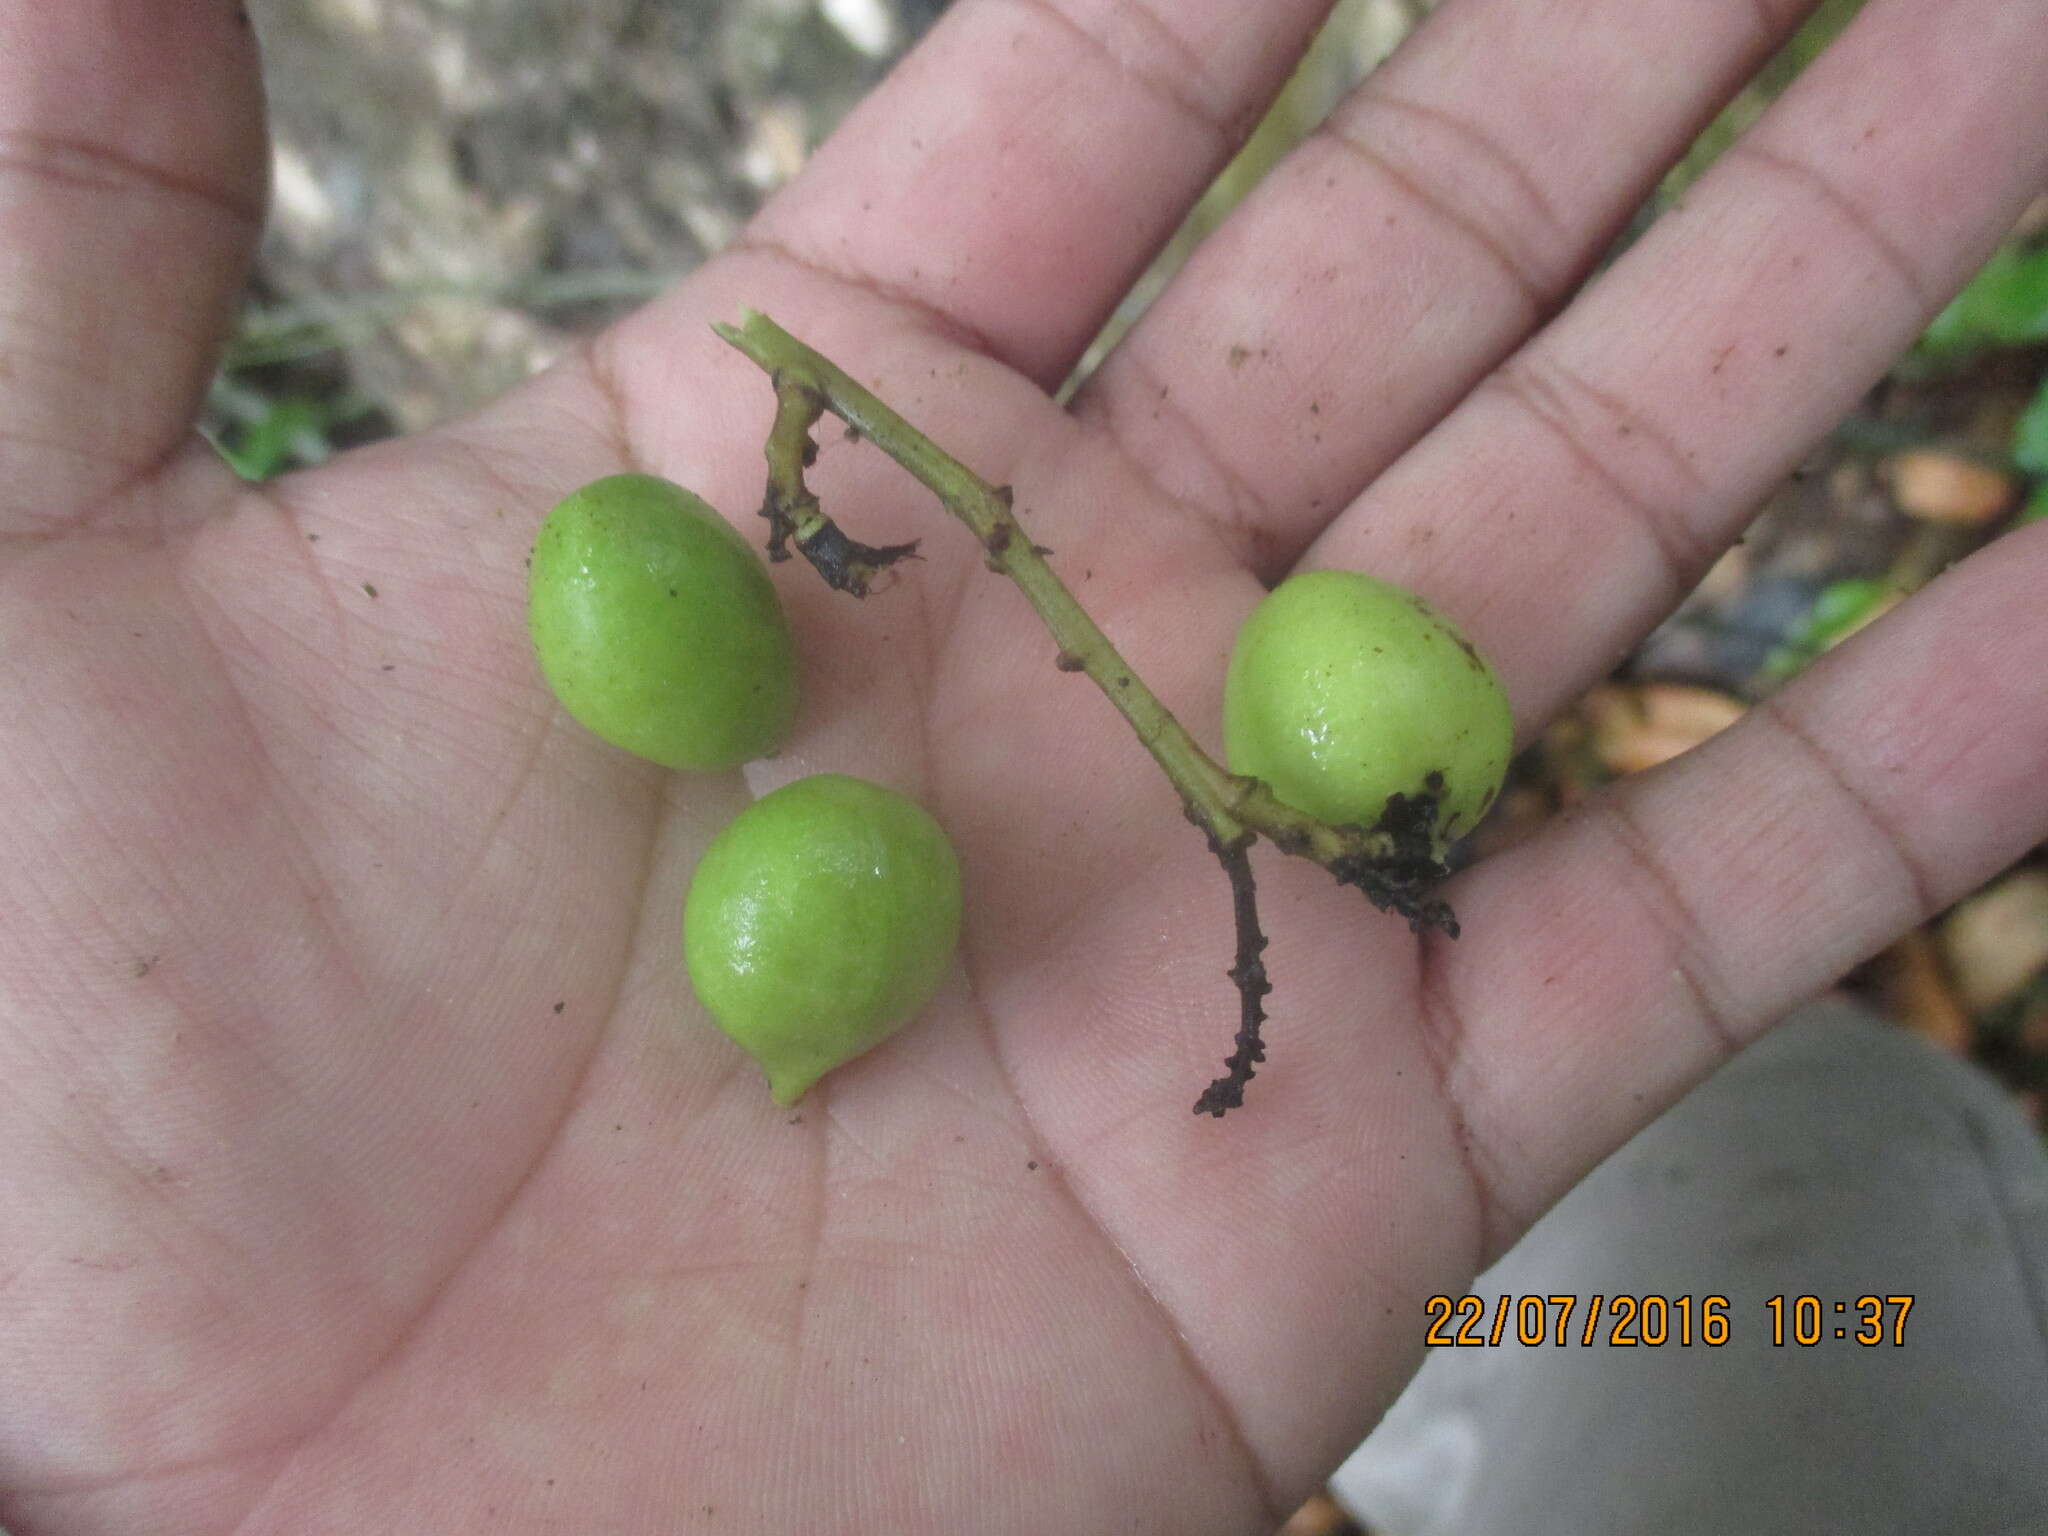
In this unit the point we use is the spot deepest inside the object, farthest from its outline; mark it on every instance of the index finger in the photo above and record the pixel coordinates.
(1015, 173)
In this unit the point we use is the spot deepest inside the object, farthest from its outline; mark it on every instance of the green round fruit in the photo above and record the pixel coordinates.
(657, 627)
(818, 924)
(1344, 690)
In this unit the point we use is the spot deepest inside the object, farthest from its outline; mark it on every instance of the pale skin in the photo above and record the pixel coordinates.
(368, 1165)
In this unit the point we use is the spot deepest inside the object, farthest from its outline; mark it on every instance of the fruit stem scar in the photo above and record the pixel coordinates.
(1390, 861)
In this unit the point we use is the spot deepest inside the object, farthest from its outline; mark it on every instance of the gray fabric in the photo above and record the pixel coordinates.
(1837, 1157)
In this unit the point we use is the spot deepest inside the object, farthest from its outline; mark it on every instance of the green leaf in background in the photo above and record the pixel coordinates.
(1839, 609)
(2036, 508)
(1843, 606)
(2030, 435)
(2005, 305)
(292, 430)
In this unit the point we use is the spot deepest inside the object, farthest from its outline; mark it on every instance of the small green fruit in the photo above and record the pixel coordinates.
(819, 923)
(1344, 690)
(657, 627)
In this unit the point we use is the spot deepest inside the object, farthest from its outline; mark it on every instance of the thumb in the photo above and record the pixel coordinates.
(132, 164)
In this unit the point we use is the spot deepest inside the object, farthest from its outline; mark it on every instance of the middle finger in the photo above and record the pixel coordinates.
(1407, 246)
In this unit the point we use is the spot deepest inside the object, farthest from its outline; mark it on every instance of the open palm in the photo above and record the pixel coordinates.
(368, 1165)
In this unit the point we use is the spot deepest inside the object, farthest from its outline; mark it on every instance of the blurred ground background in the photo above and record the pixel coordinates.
(462, 186)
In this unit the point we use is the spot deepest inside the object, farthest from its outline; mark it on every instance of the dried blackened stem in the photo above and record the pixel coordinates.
(847, 564)
(1401, 878)
(1249, 975)
(793, 513)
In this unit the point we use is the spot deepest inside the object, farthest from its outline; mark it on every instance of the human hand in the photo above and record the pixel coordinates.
(369, 1164)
